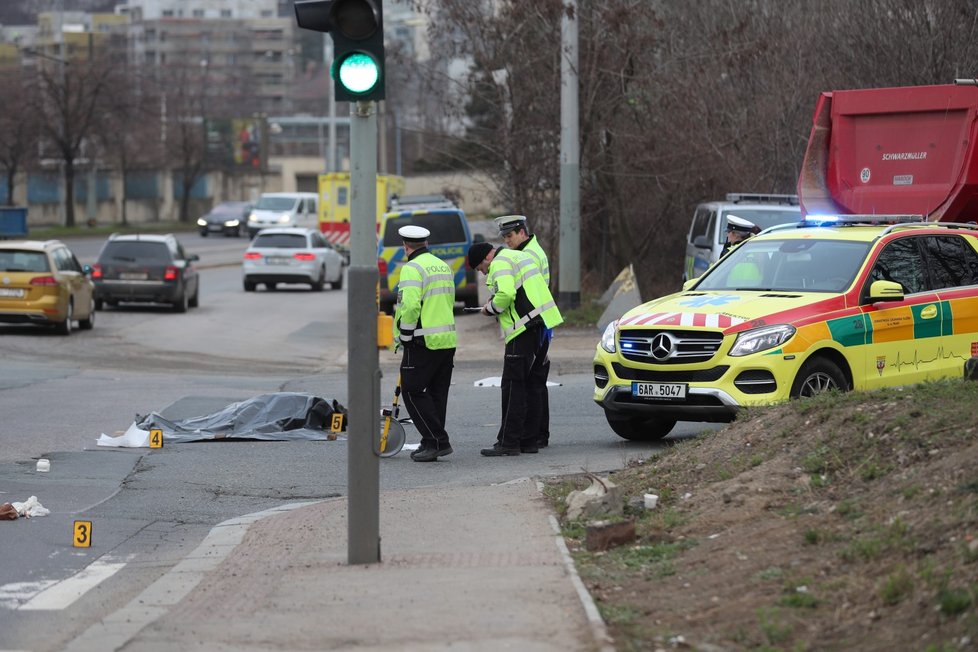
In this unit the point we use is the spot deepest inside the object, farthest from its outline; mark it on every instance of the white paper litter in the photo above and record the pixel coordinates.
(497, 381)
(132, 438)
(31, 508)
(411, 447)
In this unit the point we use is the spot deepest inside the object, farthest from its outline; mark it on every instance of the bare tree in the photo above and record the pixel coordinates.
(19, 125)
(68, 106)
(129, 125)
(185, 95)
(679, 102)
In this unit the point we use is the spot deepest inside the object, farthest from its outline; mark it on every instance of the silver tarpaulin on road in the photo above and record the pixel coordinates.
(282, 416)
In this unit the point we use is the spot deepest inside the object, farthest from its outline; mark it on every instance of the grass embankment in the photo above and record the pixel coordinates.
(844, 522)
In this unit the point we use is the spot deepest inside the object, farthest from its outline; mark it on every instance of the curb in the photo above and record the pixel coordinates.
(598, 628)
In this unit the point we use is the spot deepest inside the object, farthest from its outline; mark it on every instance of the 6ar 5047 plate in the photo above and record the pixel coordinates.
(660, 391)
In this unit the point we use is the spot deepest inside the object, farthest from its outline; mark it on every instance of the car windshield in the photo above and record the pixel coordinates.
(228, 209)
(762, 218)
(280, 241)
(444, 227)
(135, 250)
(808, 265)
(23, 261)
(275, 203)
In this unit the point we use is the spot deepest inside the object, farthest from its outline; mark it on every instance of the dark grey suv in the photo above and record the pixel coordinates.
(146, 269)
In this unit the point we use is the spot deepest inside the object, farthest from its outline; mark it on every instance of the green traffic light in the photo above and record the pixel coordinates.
(358, 73)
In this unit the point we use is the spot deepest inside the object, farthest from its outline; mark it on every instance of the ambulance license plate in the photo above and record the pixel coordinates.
(659, 390)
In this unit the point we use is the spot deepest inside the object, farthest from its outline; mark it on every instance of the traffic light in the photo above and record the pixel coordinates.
(357, 28)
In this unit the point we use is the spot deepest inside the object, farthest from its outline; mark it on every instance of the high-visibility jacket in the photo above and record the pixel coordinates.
(426, 302)
(532, 246)
(518, 294)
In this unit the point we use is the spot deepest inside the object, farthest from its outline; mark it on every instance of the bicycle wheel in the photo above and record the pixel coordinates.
(395, 438)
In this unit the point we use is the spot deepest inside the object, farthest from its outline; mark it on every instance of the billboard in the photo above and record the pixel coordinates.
(237, 143)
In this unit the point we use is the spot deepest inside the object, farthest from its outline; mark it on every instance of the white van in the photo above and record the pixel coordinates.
(284, 209)
(708, 232)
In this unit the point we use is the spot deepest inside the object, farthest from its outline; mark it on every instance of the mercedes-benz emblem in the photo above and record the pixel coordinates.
(661, 346)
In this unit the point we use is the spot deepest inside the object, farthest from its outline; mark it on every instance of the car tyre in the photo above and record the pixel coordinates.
(183, 303)
(638, 428)
(472, 300)
(195, 299)
(99, 304)
(203, 234)
(249, 286)
(64, 327)
(320, 282)
(817, 376)
(338, 283)
(87, 324)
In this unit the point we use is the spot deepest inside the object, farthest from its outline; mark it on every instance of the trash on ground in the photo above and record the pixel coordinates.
(134, 437)
(602, 497)
(28, 509)
(43, 465)
(282, 416)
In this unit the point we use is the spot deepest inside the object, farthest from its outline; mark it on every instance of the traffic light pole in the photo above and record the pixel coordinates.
(363, 378)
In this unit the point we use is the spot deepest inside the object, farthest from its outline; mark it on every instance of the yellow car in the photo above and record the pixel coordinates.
(853, 302)
(43, 283)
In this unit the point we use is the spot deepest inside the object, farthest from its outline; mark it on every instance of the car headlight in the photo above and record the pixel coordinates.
(284, 218)
(608, 337)
(761, 339)
(231, 223)
(252, 218)
(201, 221)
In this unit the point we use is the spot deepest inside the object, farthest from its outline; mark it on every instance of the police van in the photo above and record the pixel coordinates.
(708, 231)
(450, 240)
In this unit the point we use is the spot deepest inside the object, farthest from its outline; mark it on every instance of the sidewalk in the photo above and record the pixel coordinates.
(463, 568)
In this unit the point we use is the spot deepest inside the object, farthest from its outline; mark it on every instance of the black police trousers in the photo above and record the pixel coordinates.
(524, 388)
(426, 376)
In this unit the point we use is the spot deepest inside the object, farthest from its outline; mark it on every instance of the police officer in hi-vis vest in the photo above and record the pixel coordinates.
(424, 324)
(522, 303)
(514, 232)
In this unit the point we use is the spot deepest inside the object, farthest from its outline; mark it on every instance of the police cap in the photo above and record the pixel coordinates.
(740, 225)
(412, 233)
(508, 223)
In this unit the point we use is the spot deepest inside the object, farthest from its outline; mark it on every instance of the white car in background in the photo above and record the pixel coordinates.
(292, 255)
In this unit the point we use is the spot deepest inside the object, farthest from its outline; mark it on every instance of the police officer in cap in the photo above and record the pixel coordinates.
(522, 303)
(516, 235)
(424, 324)
(738, 230)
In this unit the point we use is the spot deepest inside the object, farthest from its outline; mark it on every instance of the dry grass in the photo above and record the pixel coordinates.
(845, 522)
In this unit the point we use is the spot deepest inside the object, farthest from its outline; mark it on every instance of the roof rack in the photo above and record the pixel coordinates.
(738, 197)
(925, 225)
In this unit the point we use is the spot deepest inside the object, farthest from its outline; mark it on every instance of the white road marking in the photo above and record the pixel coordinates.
(56, 595)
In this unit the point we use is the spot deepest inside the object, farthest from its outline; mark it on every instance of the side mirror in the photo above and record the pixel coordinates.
(885, 291)
(702, 242)
(193, 257)
(688, 284)
(87, 270)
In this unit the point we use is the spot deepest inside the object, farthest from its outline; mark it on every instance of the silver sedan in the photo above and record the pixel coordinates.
(292, 255)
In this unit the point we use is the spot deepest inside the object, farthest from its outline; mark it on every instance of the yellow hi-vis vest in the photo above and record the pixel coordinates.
(426, 303)
(532, 247)
(518, 293)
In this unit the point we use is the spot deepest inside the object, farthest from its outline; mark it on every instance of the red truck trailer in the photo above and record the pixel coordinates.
(909, 150)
